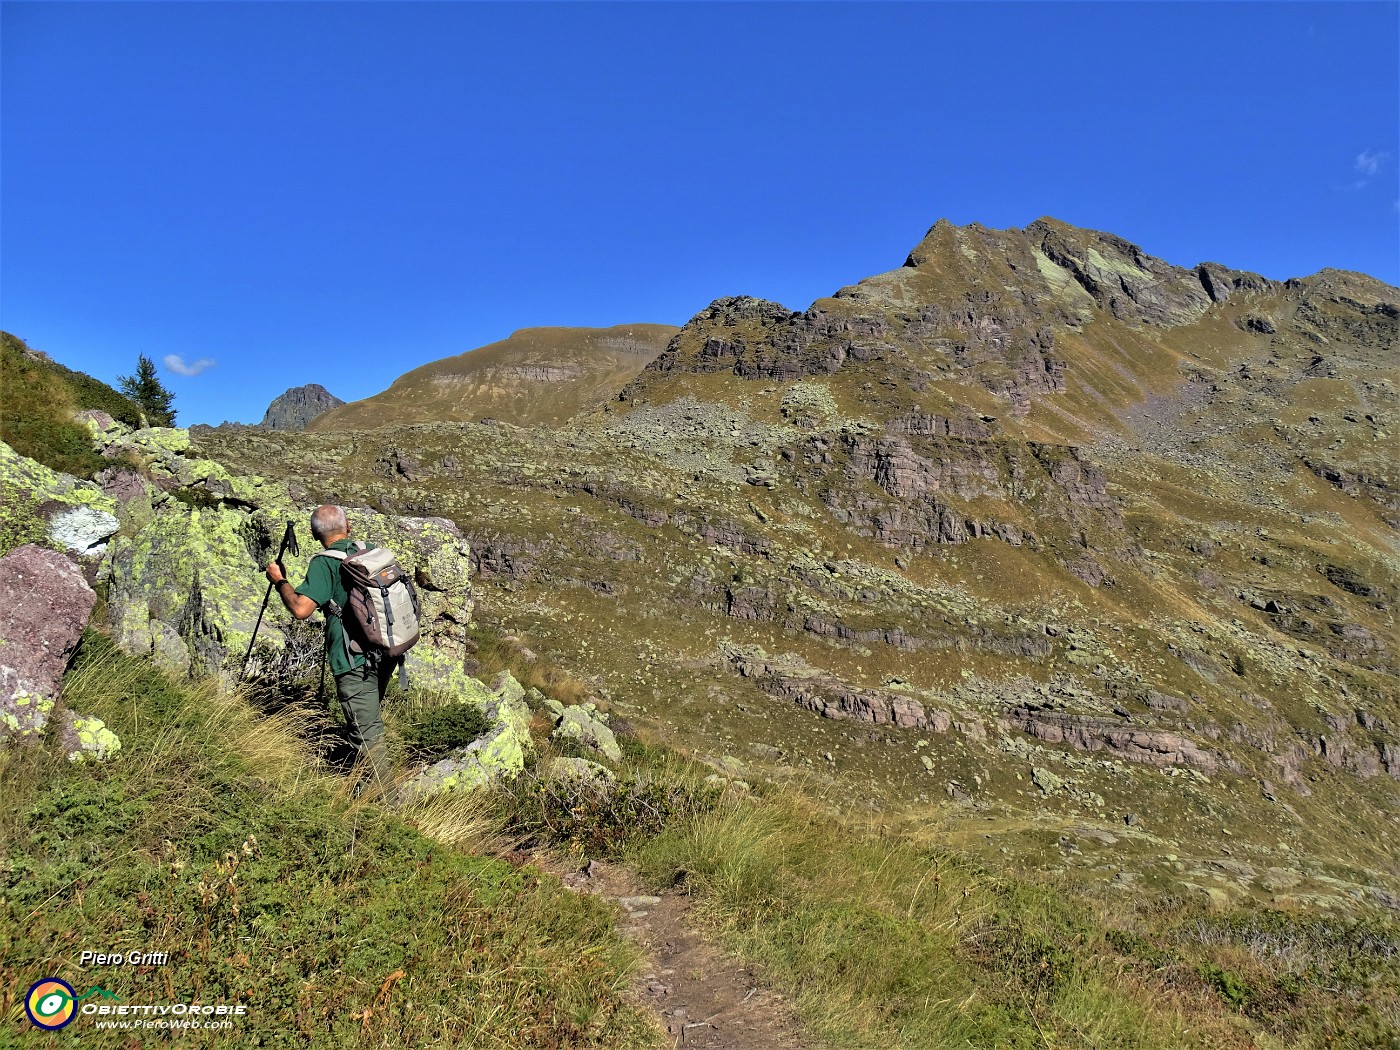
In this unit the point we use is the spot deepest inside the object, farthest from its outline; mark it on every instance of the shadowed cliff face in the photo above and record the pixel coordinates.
(1030, 536)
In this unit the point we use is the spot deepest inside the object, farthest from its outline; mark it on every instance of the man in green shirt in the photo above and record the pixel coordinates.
(359, 685)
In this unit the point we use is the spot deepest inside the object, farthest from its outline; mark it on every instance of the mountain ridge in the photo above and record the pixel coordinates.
(535, 375)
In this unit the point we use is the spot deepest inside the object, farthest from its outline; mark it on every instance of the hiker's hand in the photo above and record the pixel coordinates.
(274, 574)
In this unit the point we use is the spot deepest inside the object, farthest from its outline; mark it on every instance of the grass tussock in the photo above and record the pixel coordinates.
(336, 923)
(495, 652)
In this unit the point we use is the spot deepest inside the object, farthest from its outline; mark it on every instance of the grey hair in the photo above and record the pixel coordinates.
(328, 521)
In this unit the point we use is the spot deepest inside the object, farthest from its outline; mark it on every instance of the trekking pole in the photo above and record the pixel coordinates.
(289, 543)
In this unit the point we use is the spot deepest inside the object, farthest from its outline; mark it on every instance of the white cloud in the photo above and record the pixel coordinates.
(1368, 162)
(176, 364)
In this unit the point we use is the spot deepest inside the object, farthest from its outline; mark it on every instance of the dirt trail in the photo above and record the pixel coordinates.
(706, 1000)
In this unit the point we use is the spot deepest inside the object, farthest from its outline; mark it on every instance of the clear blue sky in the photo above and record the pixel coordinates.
(337, 193)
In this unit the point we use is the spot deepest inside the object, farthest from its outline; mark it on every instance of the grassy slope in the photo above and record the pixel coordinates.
(651, 642)
(39, 399)
(881, 941)
(499, 380)
(337, 925)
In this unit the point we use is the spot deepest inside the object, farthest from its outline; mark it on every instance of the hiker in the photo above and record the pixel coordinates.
(359, 682)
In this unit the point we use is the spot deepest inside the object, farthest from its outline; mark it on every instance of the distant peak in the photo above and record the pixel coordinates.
(298, 406)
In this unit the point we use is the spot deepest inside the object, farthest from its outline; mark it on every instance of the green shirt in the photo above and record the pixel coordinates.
(323, 584)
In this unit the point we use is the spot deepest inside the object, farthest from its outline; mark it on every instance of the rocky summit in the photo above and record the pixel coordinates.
(295, 409)
(1036, 544)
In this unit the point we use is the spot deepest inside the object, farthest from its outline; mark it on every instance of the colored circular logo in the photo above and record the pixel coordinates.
(50, 1003)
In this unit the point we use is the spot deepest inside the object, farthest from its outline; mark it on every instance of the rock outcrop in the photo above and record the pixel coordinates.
(1088, 733)
(185, 585)
(793, 679)
(296, 408)
(37, 503)
(44, 606)
(584, 726)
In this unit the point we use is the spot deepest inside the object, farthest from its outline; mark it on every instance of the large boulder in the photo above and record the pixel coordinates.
(38, 504)
(44, 605)
(585, 726)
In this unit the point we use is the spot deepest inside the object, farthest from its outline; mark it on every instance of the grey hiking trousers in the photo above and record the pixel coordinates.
(361, 693)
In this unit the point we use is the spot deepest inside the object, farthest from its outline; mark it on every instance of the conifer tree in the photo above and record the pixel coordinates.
(150, 393)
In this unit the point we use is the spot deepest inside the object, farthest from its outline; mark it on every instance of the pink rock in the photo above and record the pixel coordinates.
(44, 605)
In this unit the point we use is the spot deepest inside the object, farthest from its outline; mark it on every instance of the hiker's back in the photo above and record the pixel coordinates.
(380, 612)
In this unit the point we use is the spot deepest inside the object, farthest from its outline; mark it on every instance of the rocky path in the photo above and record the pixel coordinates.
(705, 999)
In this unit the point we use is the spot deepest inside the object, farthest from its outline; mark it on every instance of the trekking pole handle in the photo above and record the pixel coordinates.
(289, 540)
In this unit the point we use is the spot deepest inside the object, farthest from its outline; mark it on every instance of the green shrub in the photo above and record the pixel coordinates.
(198, 498)
(437, 731)
(1036, 960)
(596, 816)
(1230, 986)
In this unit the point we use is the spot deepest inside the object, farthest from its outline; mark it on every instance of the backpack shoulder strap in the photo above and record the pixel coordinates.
(330, 609)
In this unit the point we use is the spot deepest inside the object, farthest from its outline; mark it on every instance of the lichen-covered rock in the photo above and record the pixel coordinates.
(72, 514)
(44, 605)
(512, 692)
(584, 725)
(23, 714)
(84, 737)
(166, 456)
(1048, 782)
(580, 770)
(102, 428)
(192, 572)
(435, 552)
(499, 754)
